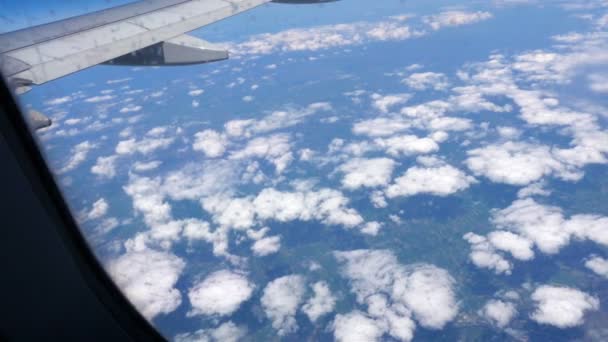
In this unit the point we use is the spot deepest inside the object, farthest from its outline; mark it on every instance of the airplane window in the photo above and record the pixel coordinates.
(331, 170)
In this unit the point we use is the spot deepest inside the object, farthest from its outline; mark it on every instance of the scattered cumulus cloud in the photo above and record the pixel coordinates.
(367, 172)
(499, 312)
(266, 246)
(105, 167)
(210, 142)
(281, 299)
(385, 102)
(437, 180)
(220, 293)
(78, 155)
(427, 80)
(562, 307)
(148, 279)
(98, 210)
(321, 303)
(394, 295)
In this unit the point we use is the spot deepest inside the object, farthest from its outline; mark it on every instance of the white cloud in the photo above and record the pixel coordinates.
(393, 292)
(369, 173)
(78, 155)
(407, 145)
(325, 37)
(371, 228)
(440, 181)
(321, 303)
(427, 80)
(274, 148)
(356, 327)
(280, 301)
(146, 166)
(220, 293)
(541, 224)
(98, 210)
(517, 163)
(144, 146)
(58, 101)
(275, 120)
(148, 280)
(131, 108)
(499, 312)
(266, 246)
(484, 255)
(326, 205)
(508, 132)
(210, 142)
(119, 80)
(378, 200)
(562, 307)
(227, 332)
(248, 98)
(381, 127)
(547, 227)
(598, 83)
(519, 247)
(598, 265)
(105, 167)
(384, 102)
(455, 18)
(196, 92)
(106, 225)
(534, 189)
(99, 98)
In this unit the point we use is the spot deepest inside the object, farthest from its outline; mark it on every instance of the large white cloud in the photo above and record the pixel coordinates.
(560, 306)
(393, 292)
(517, 163)
(440, 181)
(526, 224)
(547, 227)
(281, 299)
(220, 293)
(369, 173)
(321, 303)
(148, 280)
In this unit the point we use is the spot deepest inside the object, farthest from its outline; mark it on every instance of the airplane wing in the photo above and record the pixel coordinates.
(141, 33)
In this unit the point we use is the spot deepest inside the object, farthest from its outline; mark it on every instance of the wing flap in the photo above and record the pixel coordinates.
(61, 56)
